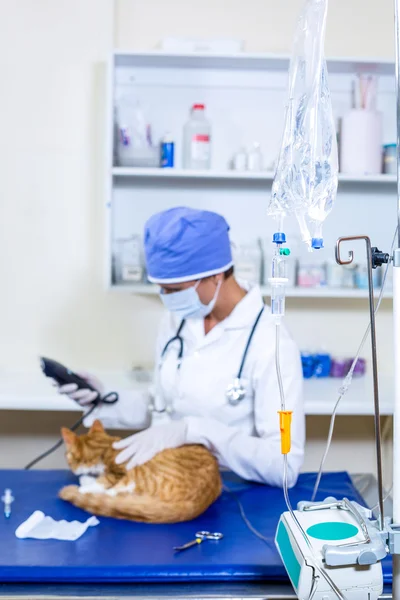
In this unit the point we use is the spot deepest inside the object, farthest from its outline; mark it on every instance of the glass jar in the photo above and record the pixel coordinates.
(129, 263)
(247, 260)
(361, 277)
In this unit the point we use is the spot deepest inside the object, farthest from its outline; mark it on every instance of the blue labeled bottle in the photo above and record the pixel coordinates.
(167, 152)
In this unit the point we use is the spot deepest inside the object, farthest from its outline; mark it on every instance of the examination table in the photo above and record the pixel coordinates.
(119, 559)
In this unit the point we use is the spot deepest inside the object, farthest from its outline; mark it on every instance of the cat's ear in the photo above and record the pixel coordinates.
(68, 436)
(97, 427)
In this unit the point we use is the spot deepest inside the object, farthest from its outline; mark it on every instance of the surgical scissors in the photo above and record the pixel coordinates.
(199, 538)
(206, 535)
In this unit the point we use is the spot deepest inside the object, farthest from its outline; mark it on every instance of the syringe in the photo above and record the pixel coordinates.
(7, 498)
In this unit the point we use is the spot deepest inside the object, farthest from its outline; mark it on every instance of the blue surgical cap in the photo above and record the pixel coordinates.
(184, 244)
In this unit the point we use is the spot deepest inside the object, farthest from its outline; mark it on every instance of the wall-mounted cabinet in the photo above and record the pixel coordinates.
(244, 97)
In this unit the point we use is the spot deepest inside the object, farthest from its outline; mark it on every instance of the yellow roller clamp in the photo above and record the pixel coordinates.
(285, 421)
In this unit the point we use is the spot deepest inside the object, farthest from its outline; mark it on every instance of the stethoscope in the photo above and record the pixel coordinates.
(236, 391)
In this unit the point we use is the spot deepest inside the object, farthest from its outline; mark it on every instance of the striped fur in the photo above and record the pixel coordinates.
(178, 484)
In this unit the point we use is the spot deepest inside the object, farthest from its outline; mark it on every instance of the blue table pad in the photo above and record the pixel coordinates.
(120, 551)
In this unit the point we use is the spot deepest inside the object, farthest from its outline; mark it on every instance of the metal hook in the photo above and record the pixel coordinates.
(340, 261)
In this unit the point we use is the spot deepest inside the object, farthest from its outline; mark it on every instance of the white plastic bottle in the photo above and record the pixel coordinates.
(197, 140)
(255, 158)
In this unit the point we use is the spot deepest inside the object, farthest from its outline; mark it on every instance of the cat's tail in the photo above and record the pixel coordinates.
(133, 507)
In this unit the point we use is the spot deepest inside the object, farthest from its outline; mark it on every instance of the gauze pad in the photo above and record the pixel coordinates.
(40, 527)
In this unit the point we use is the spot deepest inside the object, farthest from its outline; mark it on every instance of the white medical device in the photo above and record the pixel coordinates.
(342, 548)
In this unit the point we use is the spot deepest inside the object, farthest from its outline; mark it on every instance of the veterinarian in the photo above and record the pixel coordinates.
(215, 378)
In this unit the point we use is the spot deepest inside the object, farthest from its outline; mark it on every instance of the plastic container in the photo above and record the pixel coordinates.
(334, 275)
(348, 277)
(239, 160)
(308, 364)
(248, 262)
(141, 158)
(359, 368)
(339, 367)
(323, 363)
(390, 159)
(311, 275)
(197, 140)
(134, 147)
(361, 143)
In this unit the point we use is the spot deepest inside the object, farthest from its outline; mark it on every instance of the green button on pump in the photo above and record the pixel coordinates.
(332, 531)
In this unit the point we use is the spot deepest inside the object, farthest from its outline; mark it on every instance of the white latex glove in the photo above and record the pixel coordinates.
(141, 447)
(83, 397)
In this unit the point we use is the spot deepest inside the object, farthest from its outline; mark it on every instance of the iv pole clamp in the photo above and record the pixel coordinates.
(375, 258)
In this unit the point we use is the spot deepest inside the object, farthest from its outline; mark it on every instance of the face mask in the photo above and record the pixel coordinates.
(186, 304)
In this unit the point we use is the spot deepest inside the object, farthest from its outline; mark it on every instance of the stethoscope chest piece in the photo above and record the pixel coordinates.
(236, 392)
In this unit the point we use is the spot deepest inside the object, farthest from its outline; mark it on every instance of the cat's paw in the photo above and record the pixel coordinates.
(92, 488)
(85, 480)
(69, 492)
(121, 489)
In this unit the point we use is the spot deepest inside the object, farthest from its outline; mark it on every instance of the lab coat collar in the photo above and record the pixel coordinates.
(243, 316)
(246, 311)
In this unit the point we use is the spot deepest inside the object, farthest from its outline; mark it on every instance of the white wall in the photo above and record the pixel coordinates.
(354, 28)
(53, 301)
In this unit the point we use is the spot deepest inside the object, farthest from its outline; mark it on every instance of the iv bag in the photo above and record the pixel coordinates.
(305, 181)
(326, 166)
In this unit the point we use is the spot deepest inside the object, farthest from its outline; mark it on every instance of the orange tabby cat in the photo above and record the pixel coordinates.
(178, 484)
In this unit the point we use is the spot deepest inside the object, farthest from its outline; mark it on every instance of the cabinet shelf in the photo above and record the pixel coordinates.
(31, 391)
(245, 61)
(151, 173)
(296, 292)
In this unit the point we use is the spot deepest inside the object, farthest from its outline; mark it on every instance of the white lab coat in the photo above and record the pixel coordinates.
(244, 438)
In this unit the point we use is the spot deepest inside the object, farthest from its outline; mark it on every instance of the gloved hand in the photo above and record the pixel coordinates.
(141, 447)
(83, 397)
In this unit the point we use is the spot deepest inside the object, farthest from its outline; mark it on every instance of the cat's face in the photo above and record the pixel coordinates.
(85, 453)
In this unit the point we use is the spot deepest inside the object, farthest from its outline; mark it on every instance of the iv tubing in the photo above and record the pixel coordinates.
(277, 366)
(317, 568)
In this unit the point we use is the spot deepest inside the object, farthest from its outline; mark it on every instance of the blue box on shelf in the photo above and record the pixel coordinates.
(316, 365)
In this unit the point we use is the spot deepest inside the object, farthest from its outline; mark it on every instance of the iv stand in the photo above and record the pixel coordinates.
(342, 261)
(396, 321)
